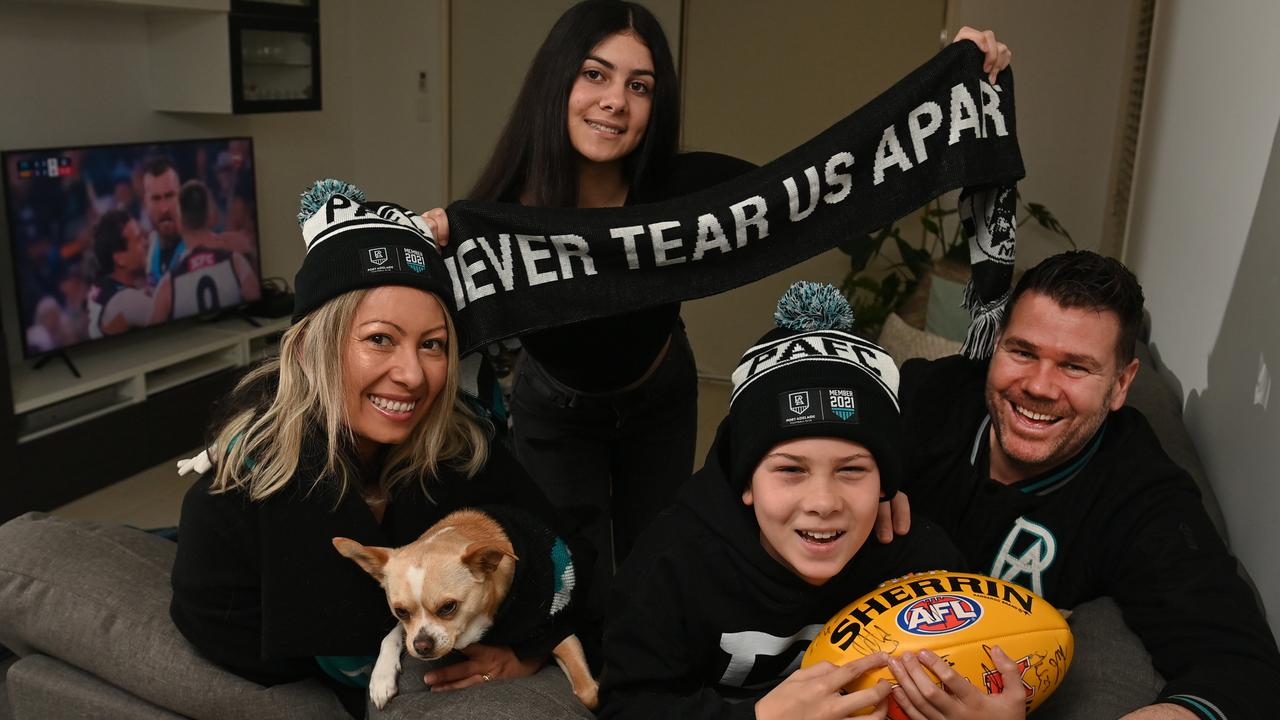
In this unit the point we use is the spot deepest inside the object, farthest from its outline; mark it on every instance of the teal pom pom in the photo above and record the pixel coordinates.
(807, 306)
(319, 194)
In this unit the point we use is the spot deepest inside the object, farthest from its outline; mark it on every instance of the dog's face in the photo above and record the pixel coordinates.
(445, 587)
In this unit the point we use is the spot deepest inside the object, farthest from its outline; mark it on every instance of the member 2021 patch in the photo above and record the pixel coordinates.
(799, 407)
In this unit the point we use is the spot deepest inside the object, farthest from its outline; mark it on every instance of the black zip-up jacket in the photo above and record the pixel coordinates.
(1119, 519)
(703, 621)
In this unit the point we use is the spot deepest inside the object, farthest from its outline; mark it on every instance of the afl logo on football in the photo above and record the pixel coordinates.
(939, 615)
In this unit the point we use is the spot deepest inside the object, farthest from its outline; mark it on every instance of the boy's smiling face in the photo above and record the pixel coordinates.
(815, 500)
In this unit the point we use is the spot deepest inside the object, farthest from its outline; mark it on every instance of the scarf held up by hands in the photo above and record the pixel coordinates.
(516, 269)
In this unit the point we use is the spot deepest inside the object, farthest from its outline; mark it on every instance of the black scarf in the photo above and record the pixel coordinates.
(516, 269)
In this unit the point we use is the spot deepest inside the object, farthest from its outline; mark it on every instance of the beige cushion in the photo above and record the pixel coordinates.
(904, 342)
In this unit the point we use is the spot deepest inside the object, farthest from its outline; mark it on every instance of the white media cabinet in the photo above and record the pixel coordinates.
(127, 370)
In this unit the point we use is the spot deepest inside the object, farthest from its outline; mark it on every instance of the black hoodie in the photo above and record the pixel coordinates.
(703, 621)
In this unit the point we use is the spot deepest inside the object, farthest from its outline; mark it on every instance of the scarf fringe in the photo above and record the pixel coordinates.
(980, 338)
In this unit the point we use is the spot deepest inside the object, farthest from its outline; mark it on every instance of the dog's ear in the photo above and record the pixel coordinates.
(372, 559)
(483, 557)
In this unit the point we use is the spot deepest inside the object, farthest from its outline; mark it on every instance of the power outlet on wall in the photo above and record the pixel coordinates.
(423, 104)
(1262, 391)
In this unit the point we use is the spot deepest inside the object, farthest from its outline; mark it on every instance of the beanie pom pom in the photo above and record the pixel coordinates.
(319, 193)
(808, 306)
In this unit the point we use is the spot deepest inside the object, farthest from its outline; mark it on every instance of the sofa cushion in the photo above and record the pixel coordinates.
(42, 687)
(544, 696)
(1111, 673)
(97, 597)
(1162, 407)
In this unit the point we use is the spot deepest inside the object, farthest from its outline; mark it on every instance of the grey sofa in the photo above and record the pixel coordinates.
(86, 607)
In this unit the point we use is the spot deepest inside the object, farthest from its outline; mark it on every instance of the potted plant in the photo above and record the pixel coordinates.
(941, 248)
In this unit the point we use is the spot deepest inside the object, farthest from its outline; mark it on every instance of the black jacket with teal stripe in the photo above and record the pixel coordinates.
(1119, 519)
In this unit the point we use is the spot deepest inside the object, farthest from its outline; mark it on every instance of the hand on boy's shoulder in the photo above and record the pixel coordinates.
(893, 517)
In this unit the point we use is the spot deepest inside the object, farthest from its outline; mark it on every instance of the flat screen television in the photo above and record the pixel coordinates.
(107, 239)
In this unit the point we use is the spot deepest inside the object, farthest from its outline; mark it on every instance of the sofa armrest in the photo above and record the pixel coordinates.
(96, 597)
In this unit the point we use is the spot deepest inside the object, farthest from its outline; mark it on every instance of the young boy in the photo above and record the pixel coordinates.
(715, 606)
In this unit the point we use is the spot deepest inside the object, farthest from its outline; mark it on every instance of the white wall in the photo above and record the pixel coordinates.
(78, 75)
(1203, 231)
(1067, 58)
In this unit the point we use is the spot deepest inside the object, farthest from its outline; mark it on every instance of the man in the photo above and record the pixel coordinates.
(1043, 477)
(160, 200)
(208, 277)
(116, 300)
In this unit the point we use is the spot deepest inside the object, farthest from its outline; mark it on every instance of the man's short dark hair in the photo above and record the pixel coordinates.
(1086, 280)
(108, 239)
(157, 165)
(193, 200)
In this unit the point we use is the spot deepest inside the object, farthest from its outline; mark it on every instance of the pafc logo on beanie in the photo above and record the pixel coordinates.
(821, 346)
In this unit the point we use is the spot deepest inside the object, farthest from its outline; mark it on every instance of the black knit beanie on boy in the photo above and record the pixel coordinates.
(810, 377)
(354, 244)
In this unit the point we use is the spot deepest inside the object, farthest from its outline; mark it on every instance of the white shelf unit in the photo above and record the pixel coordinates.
(130, 369)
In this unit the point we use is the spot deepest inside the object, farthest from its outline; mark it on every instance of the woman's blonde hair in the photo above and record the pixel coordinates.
(258, 449)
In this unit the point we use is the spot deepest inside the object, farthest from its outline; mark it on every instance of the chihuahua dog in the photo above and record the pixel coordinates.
(462, 581)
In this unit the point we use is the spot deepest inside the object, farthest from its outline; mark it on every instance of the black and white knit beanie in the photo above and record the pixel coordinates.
(811, 377)
(354, 244)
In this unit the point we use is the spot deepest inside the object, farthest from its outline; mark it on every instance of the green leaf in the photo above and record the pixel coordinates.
(930, 226)
(1044, 217)
(916, 259)
(958, 253)
(889, 289)
(860, 250)
(864, 282)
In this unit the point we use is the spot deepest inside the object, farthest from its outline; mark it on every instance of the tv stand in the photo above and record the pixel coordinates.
(140, 400)
(130, 369)
(44, 360)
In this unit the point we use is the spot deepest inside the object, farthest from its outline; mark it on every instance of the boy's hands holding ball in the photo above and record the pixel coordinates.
(920, 698)
(813, 693)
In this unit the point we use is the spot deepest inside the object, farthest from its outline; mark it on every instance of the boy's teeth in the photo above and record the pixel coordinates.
(1033, 415)
(822, 536)
(392, 405)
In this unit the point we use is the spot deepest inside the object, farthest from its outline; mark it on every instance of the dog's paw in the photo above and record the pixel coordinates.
(382, 685)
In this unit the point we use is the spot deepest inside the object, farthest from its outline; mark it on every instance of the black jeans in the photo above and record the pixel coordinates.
(609, 462)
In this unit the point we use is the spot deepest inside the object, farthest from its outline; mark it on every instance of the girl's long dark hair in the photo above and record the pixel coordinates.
(533, 157)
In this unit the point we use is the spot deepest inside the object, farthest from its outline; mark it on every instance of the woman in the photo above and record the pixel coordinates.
(604, 412)
(355, 430)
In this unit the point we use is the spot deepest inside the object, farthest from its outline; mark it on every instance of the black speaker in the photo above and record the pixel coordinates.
(10, 481)
(274, 304)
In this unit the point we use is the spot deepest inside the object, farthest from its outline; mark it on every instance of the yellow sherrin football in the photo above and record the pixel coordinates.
(959, 616)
